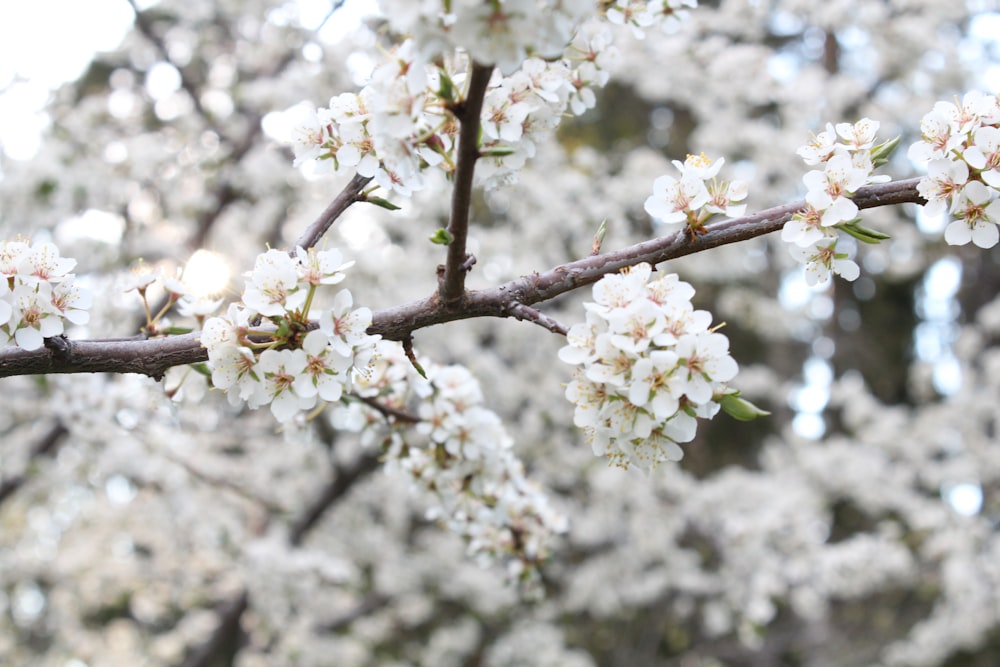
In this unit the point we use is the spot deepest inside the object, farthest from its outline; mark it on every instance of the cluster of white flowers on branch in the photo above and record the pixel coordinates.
(960, 144)
(38, 294)
(549, 61)
(506, 33)
(640, 14)
(433, 429)
(848, 164)
(292, 363)
(649, 366)
(691, 200)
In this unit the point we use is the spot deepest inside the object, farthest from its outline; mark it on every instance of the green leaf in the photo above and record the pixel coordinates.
(601, 232)
(202, 368)
(863, 234)
(497, 151)
(284, 328)
(881, 153)
(740, 408)
(177, 331)
(446, 91)
(383, 203)
(442, 237)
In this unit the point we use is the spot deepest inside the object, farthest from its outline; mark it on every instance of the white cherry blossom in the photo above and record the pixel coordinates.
(822, 259)
(273, 285)
(72, 301)
(35, 315)
(326, 370)
(673, 198)
(978, 213)
(280, 370)
(945, 178)
(859, 136)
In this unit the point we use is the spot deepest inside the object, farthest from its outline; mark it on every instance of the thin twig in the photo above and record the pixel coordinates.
(342, 480)
(388, 411)
(224, 483)
(453, 282)
(411, 355)
(341, 202)
(145, 27)
(371, 603)
(529, 314)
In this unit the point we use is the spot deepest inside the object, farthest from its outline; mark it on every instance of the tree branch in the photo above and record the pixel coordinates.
(528, 314)
(453, 282)
(341, 202)
(145, 26)
(400, 321)
(392, 415)
(154, 356)
(368, 605)
(136, 355)
(226, 633)
(341, 482)
(46, 446)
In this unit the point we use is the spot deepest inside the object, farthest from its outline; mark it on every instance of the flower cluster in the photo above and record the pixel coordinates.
(38, 294)
(268, 349)
(690, 200)
(849, 156)
(458, 454)
(503, 33)
(649, 365)
(641, 14)
(960, 145)
(402, 121)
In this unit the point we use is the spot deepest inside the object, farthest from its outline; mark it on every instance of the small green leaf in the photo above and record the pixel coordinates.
(442, 237)
(497, 151)
(881, 153)
(177, 331)
(740, 408)
(446, 91)
(863, 234)
(383, 203)
(284, 328)
(599, 237)
(202, 368)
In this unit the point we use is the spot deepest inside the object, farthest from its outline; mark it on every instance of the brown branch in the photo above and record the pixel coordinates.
(347, 196)
(226, 634)
(341, 482)
(452, 285)
(529, 314)
(138, 355)
(153, 357)
(145, 26)
(400, 321)
(368, 605)
(391, 414)
(46, 446)
(223, 482)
